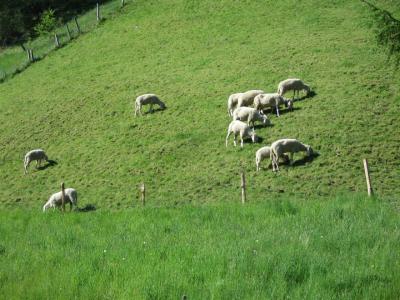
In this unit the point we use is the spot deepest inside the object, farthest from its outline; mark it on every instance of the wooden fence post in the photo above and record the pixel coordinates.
(56, 40)
(68, 31)
(367, 177)
(142, 189)
(243, 186)
(77, 25)
(97, 12)
(63, 196)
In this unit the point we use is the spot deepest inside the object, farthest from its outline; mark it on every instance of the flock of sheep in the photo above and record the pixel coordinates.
(260, 100)
(239, 109)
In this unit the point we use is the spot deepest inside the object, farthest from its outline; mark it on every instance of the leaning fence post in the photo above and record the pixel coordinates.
(142, 189)
(243, 186)
(56, 40)
(77, 25)
(63, 196)
(367, 177)
(68, 31)
(97, 12)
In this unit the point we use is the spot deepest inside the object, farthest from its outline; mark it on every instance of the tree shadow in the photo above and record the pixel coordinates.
(50, 163)
(86, 208)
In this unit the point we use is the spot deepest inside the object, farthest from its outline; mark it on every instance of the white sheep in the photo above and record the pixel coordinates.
(147, 99)
(247, 98)
(273, 100)
(232, 102)
(242, 129)
(279, 147)
(38, 155)
(263, 153)
(250, 115)
(55, 200)
(293, 84)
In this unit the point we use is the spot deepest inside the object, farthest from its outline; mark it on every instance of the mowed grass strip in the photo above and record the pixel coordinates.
(77, 104)
(346, 247)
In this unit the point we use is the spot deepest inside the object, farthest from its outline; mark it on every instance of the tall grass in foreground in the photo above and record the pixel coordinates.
(342, 248)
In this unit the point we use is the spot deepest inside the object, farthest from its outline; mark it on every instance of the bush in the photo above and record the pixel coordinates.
(47, 22)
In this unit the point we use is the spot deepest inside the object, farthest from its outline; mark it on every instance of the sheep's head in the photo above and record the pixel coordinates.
(310, 151)
(46, 158)
(265, 120)
(290, 104)
(254, 137)
(307, 89)
(162, 105)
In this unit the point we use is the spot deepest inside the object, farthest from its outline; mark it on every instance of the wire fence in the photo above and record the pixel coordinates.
(14, 60)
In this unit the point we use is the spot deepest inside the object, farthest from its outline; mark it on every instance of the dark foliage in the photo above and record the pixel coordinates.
(18, 17)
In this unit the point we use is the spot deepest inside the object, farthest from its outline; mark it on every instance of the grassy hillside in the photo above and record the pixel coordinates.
(77, 105)
(345, 248)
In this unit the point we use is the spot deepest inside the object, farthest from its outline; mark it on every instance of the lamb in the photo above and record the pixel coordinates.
(37, 155)
(293, 84)
(263, 153)
(279, 147)
(247, 98)
(147, 99)
(232, 102)
(250, 115)
(55, 200)
(240, 128)
(262, 101)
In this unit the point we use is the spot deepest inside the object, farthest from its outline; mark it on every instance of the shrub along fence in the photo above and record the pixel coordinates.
(14, 60)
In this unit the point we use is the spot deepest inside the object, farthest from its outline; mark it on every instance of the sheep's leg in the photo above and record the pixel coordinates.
(151, 108)
(26, 164)
(291, 158)
(227, 137)
(277, 111)
(241, 140)
(234, 139)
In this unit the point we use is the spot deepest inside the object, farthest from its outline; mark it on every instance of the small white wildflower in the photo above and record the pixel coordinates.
(256, 241)
(104, 250)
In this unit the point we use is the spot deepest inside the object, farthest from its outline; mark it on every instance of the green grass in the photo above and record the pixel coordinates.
(77, 104)
(347, 247)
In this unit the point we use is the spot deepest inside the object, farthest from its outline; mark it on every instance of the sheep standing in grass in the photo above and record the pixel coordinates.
(293, 84)
(147, 99)
(37, 155)
(279, 147)
(263, 153)
(55, 200)
(242, 129)
(247, 98)
(232, 102)
(250, 115)
(273, 100)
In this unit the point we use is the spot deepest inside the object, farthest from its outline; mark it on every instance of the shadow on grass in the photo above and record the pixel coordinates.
(312, 94)
(50, 163)
(281, 111)
(307, 159)
(154, 111)
(260, 126)
(86, 208)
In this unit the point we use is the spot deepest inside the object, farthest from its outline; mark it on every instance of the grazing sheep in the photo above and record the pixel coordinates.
(37, 155)
(250, 115)
(55, 200)
(240, 128)
(232, 102)
(271, 100)
(263, 153)
(293, 84)
(247, 98)
(147, 99)
(279, 147)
